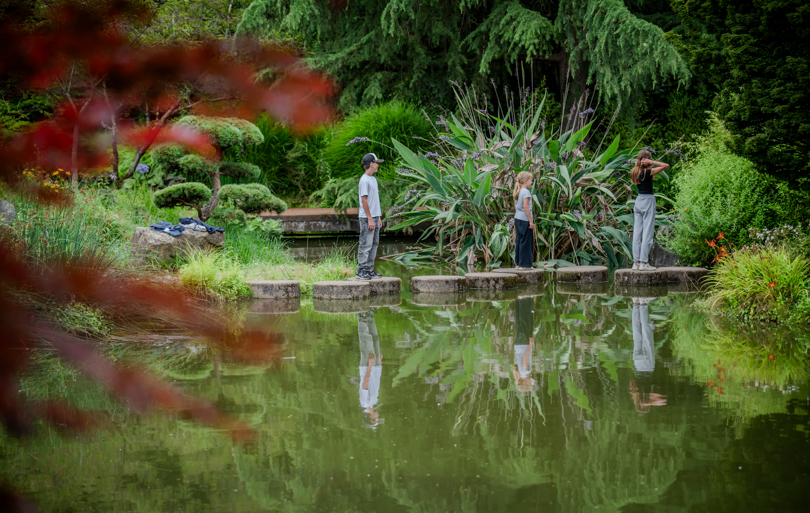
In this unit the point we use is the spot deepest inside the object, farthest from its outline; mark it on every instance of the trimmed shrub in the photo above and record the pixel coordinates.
(401, 121)
(183, 194)
(717, 191)
(252, 198)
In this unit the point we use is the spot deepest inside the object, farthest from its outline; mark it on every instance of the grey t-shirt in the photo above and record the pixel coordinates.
(368, 187)
(519, 212)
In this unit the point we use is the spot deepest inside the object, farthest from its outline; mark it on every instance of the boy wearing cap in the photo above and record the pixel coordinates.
(370, 219)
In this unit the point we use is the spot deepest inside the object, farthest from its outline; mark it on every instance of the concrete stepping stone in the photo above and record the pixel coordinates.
(685, 274)
(341, 289)
(488, 295)
(274, 289)
(385, 285)
(275, 306)
(438, 299)
(524, 276)
(490, 281)
(341, 306)
(583, 289)
(582, 274)
(640, 291)
(438, 284)
(631, 278)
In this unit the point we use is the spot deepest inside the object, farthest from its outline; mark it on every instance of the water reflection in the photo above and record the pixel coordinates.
(370, 367)
(642, 388)
(524, 340)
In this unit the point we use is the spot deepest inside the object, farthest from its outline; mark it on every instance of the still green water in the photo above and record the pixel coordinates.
(541, 400)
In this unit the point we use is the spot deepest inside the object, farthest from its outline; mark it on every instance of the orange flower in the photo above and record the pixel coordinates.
(772, 284)
(719, 390)
(711, 243)
(770, 357)
(721, 236)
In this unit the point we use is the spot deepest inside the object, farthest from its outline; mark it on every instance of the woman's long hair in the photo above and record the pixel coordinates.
(635, 174)
(522, 177)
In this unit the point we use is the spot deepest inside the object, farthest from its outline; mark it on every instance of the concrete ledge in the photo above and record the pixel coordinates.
(438, 299)
(583, 274)
(490, 281)
(275, 306)
(274, 289)
(487, 295)
(531, 290)
(640, 291)
(438, 284)
(341, 289)
(341, 306)
(685, 274)
(631, 278)
(380, 300)
(583, 289)
(524, 276)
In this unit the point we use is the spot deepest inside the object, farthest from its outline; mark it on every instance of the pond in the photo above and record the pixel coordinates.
(542, 399)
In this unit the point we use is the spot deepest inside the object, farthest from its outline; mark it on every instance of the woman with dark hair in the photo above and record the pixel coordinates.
(644, 210)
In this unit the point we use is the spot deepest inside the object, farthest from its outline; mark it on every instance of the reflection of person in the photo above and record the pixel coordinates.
(644, 209)
(524, 340)
(643, 358)
(370, 366)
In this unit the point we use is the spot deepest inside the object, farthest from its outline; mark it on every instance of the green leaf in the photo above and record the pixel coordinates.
(579, 136)
(483, 190)
(610, 151)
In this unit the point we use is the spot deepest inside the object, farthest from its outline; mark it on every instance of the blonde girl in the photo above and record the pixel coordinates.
(644, 210)
(524, 222)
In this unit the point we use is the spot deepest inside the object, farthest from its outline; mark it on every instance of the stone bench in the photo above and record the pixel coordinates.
(491, 281)
(583, 274)
(341, 289)
(274, 289)
(631, 278)
(275, 306)
(438, 284)
(438, 299)
(524, 276)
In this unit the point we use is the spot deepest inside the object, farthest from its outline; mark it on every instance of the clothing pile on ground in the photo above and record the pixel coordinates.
(186, 223)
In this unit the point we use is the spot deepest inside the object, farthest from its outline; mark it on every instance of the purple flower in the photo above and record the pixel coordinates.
(482, 111)
(650, 149)
(676, 152)
(542, 124)
(459, 162)
(442, 122)
(445, 138)
(564, 155)
(581, 144)
(477, 155)
(551, 165)
(432, 155)
(412, 192)
(586, 112)
(578, 214)
(512, 223)
(142, 169)
(358, 140)
(491, 129)
(402, 171)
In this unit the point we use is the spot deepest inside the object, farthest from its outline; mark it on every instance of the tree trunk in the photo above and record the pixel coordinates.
(216, 185)
(74, 158)
(141, 150)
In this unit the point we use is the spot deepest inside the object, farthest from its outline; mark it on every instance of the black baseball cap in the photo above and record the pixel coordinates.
(368, 158)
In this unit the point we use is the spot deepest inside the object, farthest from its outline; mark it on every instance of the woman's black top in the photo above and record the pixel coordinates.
(645, 185)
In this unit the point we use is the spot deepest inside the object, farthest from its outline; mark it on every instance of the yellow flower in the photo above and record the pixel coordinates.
(55, 173)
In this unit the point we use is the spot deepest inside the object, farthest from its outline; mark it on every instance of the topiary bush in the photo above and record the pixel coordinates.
(240, 205)
(192, 194)
(371, 131)
(717, 191)
(224, 133)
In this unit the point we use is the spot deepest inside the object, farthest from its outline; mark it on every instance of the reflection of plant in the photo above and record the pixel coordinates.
(759, 285)
(468, 191)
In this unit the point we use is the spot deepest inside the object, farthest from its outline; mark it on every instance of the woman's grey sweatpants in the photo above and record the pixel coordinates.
(644, 227)
(369, 240)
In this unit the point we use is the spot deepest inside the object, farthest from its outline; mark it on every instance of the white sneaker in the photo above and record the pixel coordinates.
(646, 267)
(635, 266)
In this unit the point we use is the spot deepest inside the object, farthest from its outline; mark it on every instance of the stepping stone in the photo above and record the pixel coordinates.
(438, 299)
(438, 284)
(524, 276)
(274, 289)
(341, 306)
(341, 289)
(385, 285)
(631, 278)
(632, 291)
(685, 274)
(488, 295)
(583, 274)
(275, 306)
(490, 281)
(583, 289)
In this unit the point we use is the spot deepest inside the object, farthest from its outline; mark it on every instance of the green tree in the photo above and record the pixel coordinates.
(412, 49)
(758, 52)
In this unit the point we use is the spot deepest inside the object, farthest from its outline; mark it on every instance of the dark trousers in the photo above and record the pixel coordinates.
(524, 245)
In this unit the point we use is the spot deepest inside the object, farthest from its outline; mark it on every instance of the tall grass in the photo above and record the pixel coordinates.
(248, 247)
(759, 285)
(214, 274)
(337, 265)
